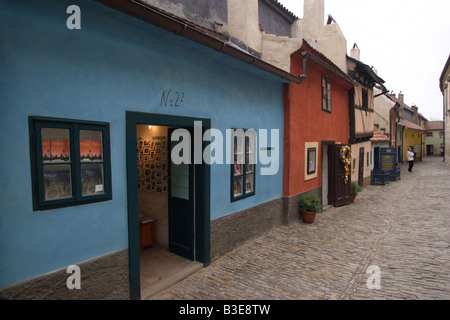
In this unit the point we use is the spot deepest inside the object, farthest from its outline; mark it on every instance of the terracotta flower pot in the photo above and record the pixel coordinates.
(352, 198)
(308, 217)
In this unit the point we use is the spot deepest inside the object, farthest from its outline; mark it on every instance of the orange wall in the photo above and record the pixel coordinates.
(306, 122)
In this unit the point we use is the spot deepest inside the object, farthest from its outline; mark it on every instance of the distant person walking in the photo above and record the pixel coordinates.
(410, 157)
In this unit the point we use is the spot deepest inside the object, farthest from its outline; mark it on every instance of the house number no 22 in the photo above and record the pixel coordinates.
(171, 99)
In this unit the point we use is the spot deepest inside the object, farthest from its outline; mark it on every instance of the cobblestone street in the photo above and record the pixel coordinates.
(403, 228)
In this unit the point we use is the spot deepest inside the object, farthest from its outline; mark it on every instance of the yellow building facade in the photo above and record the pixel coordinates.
(412, 136)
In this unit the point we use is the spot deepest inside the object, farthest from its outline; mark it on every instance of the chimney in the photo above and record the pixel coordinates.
(313, 18)
(355, 53)
(415, 109)
(400, 98)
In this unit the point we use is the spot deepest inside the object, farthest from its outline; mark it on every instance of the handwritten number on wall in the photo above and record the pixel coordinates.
(171, 99)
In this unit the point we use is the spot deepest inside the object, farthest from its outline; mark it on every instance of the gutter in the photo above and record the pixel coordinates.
(174, 24)
(307, 55)
(382, 93)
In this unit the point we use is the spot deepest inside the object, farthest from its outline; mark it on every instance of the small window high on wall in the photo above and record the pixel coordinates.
(70, 162)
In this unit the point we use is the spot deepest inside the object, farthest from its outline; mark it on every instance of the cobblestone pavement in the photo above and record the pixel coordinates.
(403, 228)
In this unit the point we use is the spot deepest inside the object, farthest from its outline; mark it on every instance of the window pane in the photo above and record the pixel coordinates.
(57, 181)
(249, 183)
(55, 144)
(238, 148)
(179, 177)
(237, 185)
(237, 167)
(91, 179)
(311, 160)
(91, 145)
(249, 166)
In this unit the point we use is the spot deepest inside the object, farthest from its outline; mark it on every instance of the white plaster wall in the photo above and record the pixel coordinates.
(243, 22)
(333, 44)
(382, 107)
(277, 50)
(355, 156)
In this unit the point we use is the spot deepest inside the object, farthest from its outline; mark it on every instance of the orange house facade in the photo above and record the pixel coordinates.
(316, 129)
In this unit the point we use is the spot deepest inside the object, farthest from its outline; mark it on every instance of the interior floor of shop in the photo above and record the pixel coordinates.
(161, 269)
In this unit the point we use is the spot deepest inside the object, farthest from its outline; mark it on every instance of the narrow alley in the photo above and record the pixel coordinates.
(401, 229)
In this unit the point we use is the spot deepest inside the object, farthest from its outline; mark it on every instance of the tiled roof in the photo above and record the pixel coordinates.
(410, 125)
(434, 125)
(378, 136)
(282, 8)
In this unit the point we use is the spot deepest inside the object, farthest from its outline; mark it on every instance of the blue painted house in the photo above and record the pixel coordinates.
(90, 98)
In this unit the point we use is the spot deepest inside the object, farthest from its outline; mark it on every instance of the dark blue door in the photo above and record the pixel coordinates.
(181, 196)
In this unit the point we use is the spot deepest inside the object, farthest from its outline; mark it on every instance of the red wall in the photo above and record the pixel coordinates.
(306, 122)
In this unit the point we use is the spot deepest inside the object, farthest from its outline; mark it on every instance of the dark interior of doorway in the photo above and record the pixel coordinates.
(159, 267)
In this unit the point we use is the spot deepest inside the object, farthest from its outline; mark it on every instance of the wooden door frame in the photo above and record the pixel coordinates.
(333, 157)
(203, 191)
(327, 143)
(362, 152)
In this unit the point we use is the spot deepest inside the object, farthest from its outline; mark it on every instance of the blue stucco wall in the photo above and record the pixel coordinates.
(113, 64)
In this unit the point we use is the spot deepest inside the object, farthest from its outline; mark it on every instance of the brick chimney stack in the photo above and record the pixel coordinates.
(400, 97)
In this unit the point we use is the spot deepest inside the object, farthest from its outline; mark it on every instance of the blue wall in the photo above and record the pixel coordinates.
(113, 64)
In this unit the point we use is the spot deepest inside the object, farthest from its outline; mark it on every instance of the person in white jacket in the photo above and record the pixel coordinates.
(410, 157)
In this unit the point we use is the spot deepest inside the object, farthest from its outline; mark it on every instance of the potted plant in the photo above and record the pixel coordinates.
(309, 206)
(354, 190)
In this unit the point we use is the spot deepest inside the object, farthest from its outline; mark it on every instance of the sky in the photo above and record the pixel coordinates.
(407, 41)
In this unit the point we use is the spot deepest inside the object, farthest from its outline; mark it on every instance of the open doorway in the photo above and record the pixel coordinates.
(160, 263)
(168, 211)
